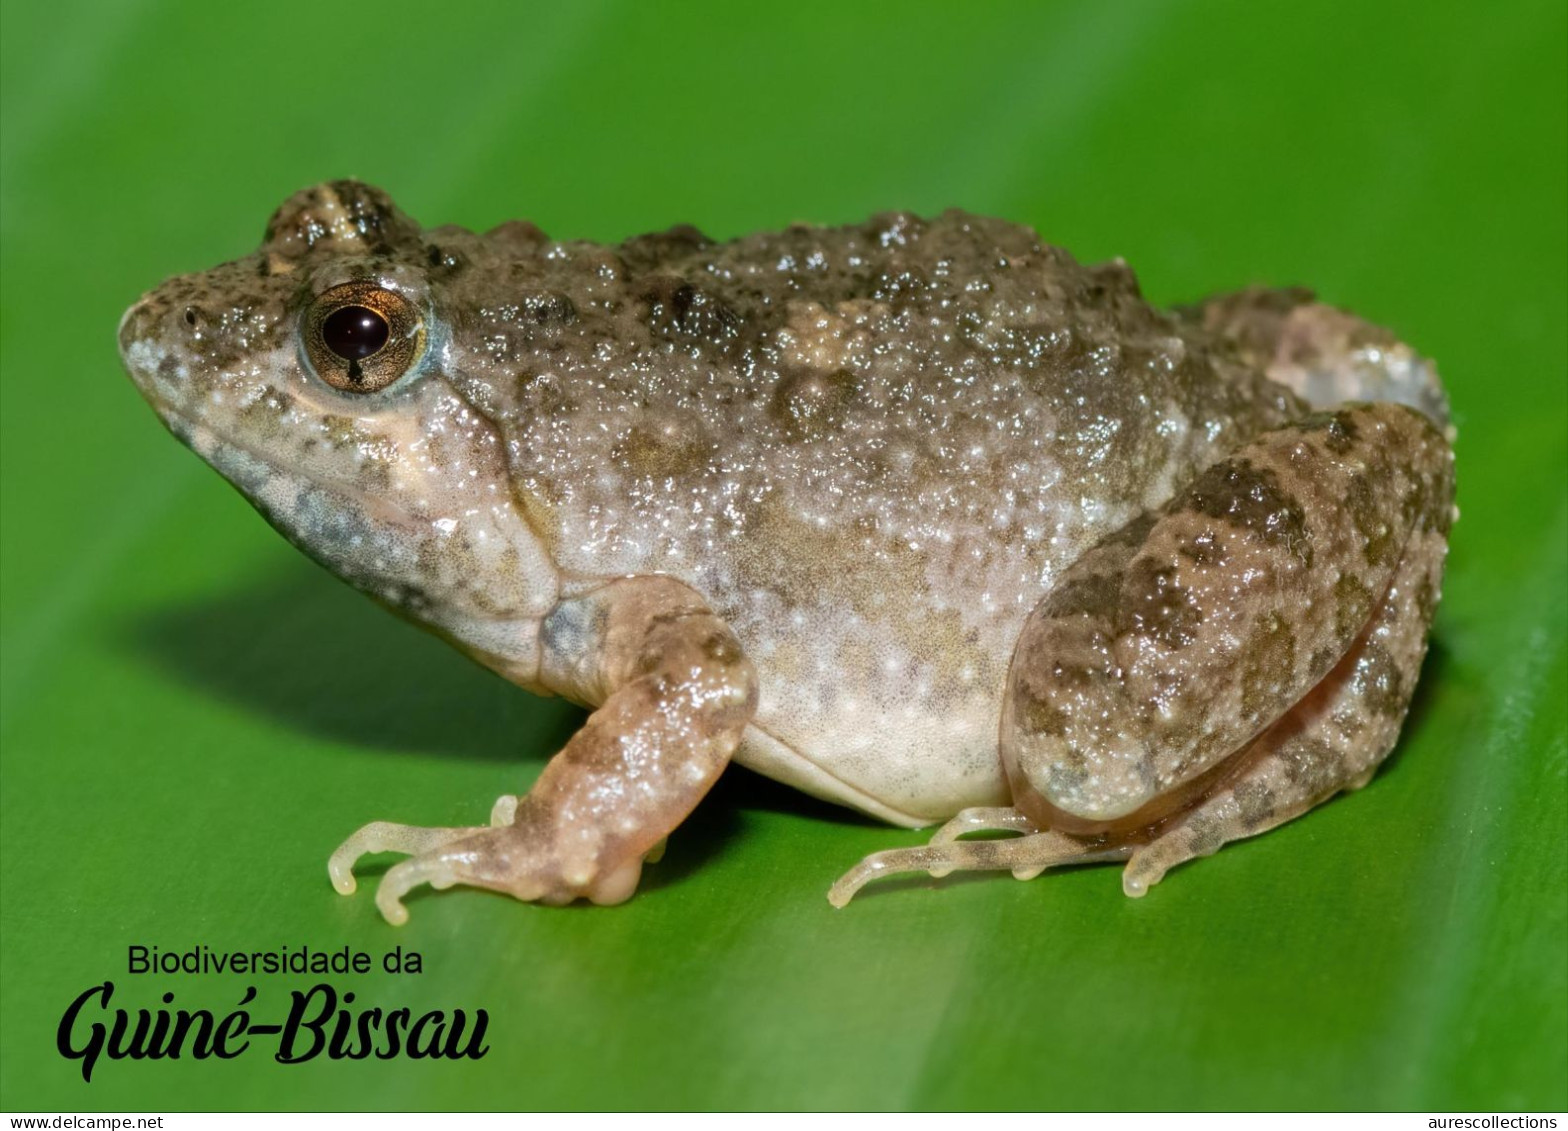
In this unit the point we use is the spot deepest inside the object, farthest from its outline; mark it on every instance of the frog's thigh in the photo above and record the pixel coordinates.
(676, 693)
(1332, 740)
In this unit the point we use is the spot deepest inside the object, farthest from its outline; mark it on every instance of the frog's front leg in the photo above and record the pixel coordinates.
(1225, 663)
(675, 692)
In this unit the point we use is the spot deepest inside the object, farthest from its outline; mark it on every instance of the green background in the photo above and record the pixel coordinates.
(194, 715)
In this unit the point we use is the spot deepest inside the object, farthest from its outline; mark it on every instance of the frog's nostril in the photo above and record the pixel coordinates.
(192, 315)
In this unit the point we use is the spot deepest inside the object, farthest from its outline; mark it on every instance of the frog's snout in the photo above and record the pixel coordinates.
(143, 340)
(160, 346)
(164, 337)
(135, 325)
(137, 336)
(152, 323)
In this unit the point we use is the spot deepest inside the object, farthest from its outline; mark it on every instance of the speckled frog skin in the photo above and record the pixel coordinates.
(919, 516)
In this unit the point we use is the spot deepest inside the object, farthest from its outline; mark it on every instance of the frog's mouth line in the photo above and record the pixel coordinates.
(258, 476)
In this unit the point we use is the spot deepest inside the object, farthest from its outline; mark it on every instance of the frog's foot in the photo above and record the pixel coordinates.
(506, 856)
(385, 836)
(412, 840)
(1285, 783)
(1025, 856)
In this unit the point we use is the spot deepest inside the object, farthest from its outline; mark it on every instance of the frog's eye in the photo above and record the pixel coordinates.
(361, 337)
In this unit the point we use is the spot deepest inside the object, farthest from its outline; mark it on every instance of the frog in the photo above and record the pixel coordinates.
(920, 516)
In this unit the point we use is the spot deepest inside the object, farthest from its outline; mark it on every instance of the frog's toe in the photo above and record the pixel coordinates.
(515, 859)
(984, 820)
(493, 856)
(1025, 856)
(504, 811)
(404, 877)
(886, 863)
(385, 836)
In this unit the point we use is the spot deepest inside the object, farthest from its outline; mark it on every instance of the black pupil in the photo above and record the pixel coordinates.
(354, 332)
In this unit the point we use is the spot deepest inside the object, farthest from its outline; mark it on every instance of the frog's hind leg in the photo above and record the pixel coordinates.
(1325, 355)
(1331, 741)
(1025, 856)
(1225, 663)
(1245, 653)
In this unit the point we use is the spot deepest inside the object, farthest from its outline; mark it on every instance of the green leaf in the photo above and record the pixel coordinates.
(193, 716)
